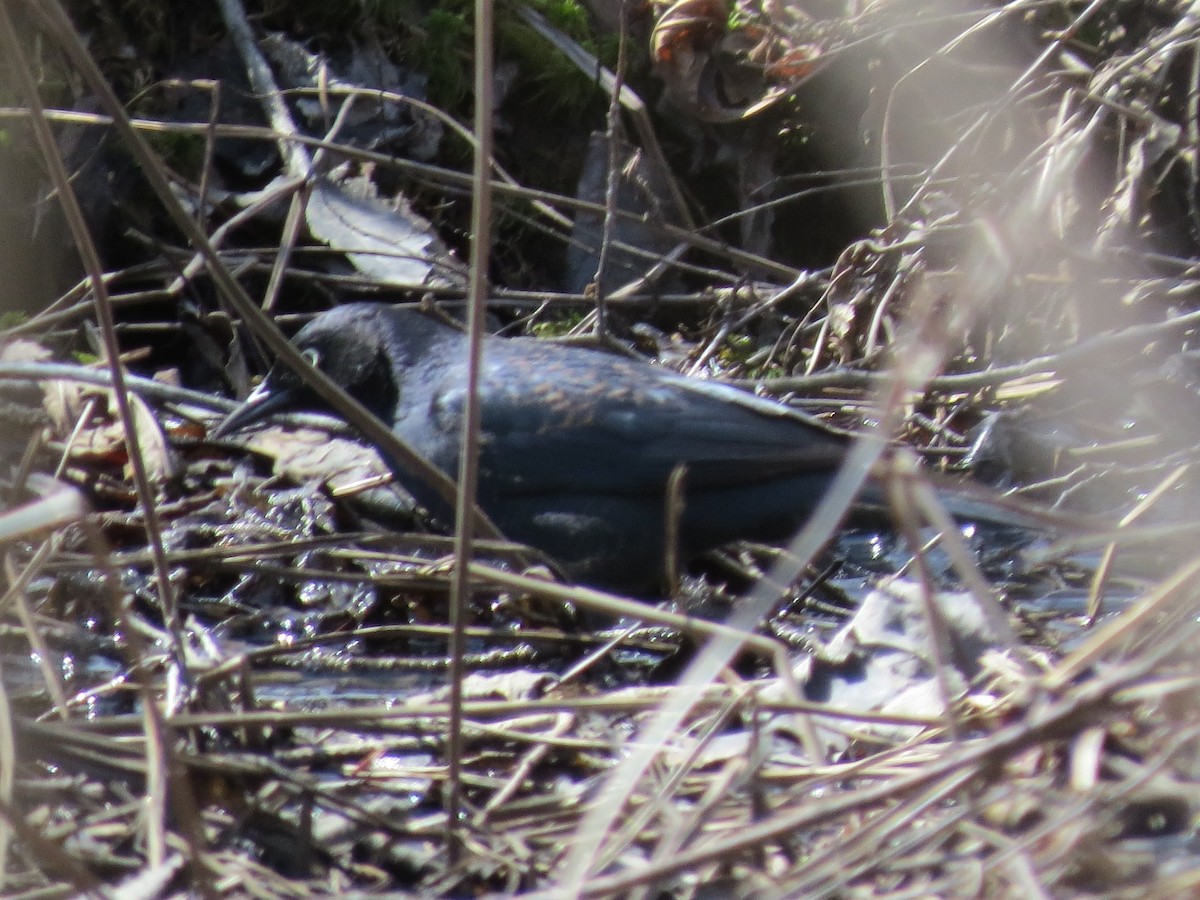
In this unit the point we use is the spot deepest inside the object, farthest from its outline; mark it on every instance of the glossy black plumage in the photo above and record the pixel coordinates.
(577, 445)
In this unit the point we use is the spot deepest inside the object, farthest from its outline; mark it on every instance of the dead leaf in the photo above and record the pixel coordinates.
(309, 454)
(389, 242)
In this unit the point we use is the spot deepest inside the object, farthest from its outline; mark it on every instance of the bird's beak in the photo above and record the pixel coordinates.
(263, 400)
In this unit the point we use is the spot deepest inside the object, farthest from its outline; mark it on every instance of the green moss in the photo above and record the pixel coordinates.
(737, 352)
(436, 38)
(439, 41)
(558, 325)
(569, 16)
(547, 78)
(738, 348)
(441, 44)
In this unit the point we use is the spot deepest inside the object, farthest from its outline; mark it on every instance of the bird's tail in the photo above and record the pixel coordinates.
(967, 501)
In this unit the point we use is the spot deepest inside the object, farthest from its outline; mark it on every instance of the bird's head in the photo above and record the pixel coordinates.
(352, 345)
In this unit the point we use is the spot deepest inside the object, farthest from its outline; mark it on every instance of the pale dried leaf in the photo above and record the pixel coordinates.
(308, 454)
(389, 243)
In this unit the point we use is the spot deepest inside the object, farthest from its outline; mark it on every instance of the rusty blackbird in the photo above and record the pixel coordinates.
(577, 445)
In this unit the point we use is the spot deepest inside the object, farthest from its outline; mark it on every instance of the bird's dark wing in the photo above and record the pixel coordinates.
(559, 419)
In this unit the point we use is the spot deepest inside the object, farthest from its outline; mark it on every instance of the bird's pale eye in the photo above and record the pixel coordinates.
(313, 356)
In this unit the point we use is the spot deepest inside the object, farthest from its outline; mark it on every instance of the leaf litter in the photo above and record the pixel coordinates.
(1021, 306)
